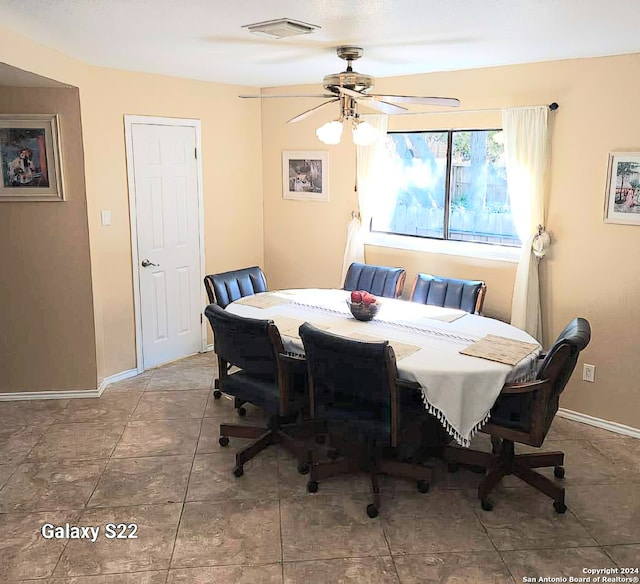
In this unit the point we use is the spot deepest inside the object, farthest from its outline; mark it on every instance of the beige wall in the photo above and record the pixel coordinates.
(48, 333)
(232, 170)
(232, 176)
(590, 270)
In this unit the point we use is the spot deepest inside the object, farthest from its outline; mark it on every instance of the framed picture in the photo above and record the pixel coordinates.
(623, 189)
(305, 175)
(30, 158)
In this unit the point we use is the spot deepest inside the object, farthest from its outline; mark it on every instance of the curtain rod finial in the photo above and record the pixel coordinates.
(553, 106)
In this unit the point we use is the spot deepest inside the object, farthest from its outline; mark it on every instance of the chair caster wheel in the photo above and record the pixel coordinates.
(333, 453)
(486, 504)
(238, 471)
(312, 486)
(423, 486)
(453, 467)
(223, 440)
(303, 468)
(372, 510)
(558, 472)
(242, 411)
(320, 439)
(559, 506)
(217, 394)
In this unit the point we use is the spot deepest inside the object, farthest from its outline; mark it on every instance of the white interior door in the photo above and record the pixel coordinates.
(165, 178)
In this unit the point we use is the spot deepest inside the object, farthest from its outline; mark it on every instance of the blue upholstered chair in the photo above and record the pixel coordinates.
(356, 396)
(226, 287)
(523, 413)
(378, 280)
(465, 295)
(264, 376)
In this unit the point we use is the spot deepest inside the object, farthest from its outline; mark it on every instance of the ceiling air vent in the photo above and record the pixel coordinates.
(281, 27)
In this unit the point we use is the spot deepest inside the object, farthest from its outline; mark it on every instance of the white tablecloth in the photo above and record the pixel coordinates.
(460, 390)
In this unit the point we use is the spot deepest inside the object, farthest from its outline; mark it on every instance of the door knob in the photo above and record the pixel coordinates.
(147, 263)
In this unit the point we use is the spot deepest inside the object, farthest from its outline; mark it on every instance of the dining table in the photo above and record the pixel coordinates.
(429, 342)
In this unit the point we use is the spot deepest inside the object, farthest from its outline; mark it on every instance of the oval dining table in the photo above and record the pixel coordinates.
(456, 388)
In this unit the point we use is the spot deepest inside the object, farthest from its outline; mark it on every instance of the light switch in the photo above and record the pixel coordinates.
(106, 217)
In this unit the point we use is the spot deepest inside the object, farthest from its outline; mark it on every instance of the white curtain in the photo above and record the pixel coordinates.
(367, 183)
(526, 146)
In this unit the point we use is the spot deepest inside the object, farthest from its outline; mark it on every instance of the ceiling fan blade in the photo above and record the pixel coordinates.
(313, 110)
(267, 96)
(443, 101)
(383, 106)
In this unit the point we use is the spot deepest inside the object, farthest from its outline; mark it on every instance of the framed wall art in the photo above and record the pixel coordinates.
(305, 175)
(622, 200)
(30, 158)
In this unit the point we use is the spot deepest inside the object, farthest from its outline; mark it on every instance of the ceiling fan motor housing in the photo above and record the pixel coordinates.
(348, 79)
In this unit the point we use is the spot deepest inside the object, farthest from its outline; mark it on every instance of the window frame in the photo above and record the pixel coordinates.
(480, 249)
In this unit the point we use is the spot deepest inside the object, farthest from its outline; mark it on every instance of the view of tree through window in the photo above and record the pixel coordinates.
(418, 200)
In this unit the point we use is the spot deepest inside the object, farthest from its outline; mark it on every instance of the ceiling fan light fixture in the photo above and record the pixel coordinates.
(281, 27)
(330, 133)
(364, 134)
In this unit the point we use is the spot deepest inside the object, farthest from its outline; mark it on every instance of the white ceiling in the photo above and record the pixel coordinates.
(203, 39)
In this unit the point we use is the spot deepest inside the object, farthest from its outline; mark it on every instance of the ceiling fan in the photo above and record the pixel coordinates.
(350, 88)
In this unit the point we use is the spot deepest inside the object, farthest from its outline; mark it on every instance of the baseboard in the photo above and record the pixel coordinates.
(117, 377)
(68, 393)
(53, 394)
(599, 423)
(209, 348)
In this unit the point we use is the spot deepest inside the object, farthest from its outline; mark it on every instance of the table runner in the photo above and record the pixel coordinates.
(458, 389)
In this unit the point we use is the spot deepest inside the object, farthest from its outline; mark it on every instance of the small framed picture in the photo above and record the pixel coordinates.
(30, 158)
(305, 175)
(623, 189)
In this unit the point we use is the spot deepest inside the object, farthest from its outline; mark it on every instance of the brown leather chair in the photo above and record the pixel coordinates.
(523, 413)
(379, 280)
(466, 295)
(356, 396)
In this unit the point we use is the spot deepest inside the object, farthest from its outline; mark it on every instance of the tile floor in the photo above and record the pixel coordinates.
(146, 453)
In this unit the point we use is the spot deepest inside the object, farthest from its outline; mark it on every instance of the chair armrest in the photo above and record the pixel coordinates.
(526, 387)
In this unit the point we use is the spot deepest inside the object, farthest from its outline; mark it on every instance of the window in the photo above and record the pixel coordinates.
(446, 185)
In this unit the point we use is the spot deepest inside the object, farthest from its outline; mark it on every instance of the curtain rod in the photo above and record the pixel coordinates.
(552, 107)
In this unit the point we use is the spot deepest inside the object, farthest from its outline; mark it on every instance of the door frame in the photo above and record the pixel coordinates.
(129, 121)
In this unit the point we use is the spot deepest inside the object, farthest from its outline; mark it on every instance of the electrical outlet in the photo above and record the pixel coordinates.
(588, 373)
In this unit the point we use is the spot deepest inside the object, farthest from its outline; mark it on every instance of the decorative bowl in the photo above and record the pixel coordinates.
(362, 311)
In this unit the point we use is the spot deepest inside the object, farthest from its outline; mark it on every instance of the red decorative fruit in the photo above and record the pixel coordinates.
(356, 296)
(368, 299)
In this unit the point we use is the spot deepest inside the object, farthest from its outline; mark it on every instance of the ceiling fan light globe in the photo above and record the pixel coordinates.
(330, 133)
(364, 134)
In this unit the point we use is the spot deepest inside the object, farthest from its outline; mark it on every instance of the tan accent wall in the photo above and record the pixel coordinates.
(232, 169)
(590, 270)
(48, 333)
